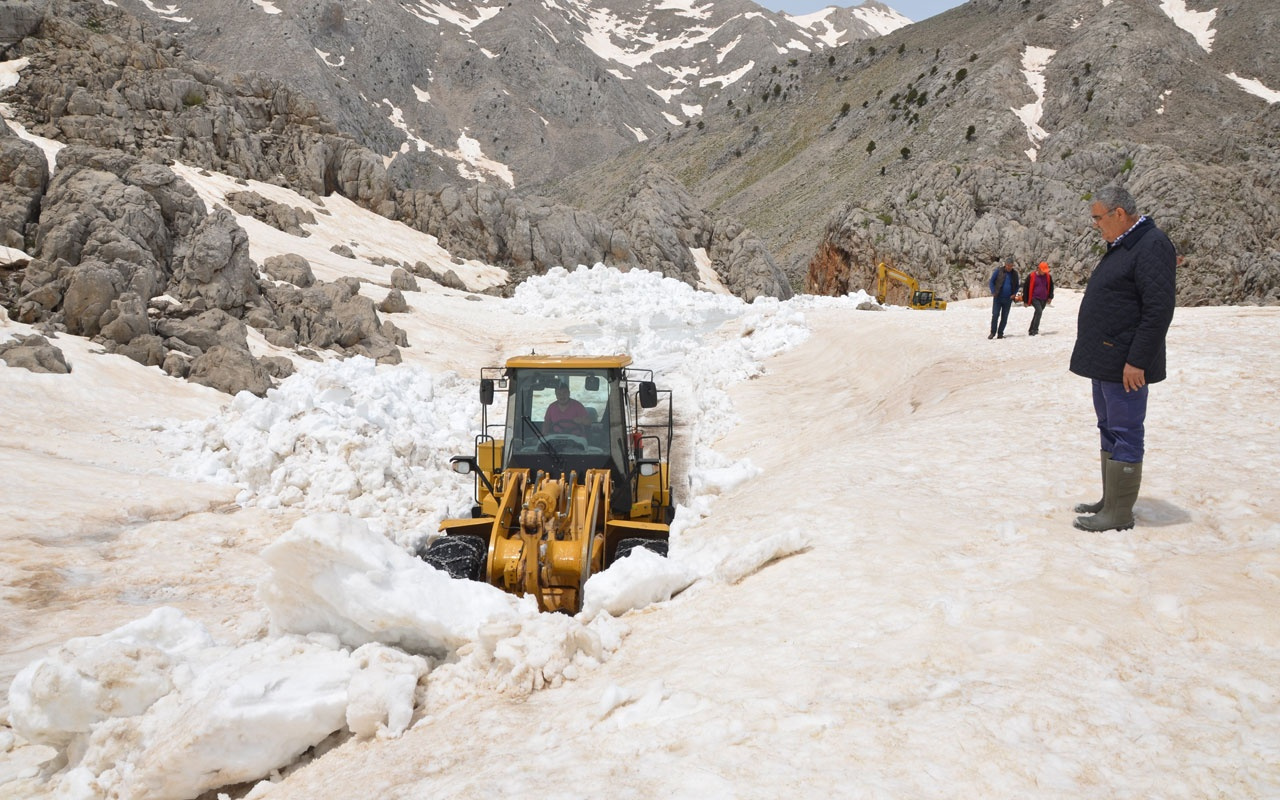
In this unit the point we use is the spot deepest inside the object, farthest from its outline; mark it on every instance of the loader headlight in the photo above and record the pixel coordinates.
(648, 467)
(463, 465)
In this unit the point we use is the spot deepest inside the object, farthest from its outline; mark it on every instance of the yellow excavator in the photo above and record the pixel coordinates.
(571, 478)
(916, 298)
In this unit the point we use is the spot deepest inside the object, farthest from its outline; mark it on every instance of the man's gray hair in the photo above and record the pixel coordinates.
(1116, 197)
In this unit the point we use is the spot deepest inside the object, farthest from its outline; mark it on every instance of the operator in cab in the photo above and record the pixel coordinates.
(565, 415)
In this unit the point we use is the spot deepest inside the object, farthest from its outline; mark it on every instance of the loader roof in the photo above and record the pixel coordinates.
(568, 362)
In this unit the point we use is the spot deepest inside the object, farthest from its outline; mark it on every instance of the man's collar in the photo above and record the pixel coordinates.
(1120, 238)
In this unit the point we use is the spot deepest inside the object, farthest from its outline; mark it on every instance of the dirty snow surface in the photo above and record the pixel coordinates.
(874, 587)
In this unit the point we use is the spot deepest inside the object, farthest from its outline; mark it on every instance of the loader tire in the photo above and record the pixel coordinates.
(625, 546)
(461, 556)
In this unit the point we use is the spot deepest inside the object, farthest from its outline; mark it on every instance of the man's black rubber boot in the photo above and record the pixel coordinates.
(1121, 491)
(1094, 508)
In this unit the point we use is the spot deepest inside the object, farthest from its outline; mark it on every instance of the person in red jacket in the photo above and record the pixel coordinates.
(565, 415)
(1037, 292)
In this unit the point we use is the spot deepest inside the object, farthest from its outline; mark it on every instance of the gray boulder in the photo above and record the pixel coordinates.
(19, 19)
(34, 353)
(213, 328)
(91, 289)
(147, 349)
(24, 176)
(394, 303)
(277, 367)
(230, 370)
(289, 219)
(289, 267)
(126, 319)
(401, 279)
(305, 314)
(176, 364)
(214, 267)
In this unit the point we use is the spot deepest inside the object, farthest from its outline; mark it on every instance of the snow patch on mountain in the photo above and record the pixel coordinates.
(169, 12)
(435, 13)
(325, 58)
(1193, 22)
(1034, 60)
(1256, 87)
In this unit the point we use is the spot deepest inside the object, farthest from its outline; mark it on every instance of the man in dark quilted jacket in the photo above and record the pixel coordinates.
(1120, 333)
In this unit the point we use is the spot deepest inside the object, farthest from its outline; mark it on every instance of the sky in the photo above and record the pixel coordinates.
(914, 10)
(873, 590)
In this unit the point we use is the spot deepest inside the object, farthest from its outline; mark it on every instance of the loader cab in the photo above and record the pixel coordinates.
(536, 438)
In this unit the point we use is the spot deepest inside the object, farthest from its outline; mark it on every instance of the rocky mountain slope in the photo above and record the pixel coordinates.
(501, 92)
(713, 143)
(978, 134)
(116, 246)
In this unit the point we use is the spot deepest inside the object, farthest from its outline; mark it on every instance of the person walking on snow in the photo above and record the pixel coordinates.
(1120, 346)
(1037, 292)
(1003, 285)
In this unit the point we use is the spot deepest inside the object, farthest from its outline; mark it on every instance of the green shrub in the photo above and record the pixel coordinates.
(192, 98)
(906, 153)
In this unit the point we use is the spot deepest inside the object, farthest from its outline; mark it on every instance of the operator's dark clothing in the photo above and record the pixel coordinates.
(1003, 285)
(1127, 307)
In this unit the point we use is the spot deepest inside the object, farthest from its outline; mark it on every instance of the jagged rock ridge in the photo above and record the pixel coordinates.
(913, 148)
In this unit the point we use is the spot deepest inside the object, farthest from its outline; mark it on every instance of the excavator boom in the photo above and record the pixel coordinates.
(916, 298)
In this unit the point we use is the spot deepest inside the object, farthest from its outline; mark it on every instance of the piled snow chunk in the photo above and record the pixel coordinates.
(343, 436)
(697, 343)
(640, 579)
(156, 709)
(380, 699)
(518, 658)
(331, 573)
(91, 679)
(256, 708)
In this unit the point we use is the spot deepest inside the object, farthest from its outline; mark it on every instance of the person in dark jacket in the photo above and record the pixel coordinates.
(1120, 346)
(1003, 285)
(1037, 292)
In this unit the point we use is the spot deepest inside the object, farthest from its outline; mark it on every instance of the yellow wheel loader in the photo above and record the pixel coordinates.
(566, 482)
